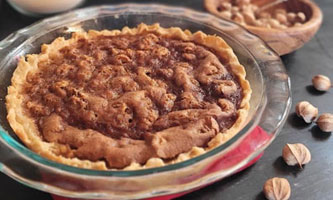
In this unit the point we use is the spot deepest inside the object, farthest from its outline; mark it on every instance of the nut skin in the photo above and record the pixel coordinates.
(277, 189)
(296, 154)
(325, 122)
(321, 82)
(307, 111)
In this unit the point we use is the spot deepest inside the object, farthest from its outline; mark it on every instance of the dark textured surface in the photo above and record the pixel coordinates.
(315, 181)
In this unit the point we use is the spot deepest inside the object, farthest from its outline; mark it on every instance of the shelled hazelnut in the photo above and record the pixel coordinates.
(325, 122)
(245, 13)
(321, 82)
(277, 189)
(307, 111)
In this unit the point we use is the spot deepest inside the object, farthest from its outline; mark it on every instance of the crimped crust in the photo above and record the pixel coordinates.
(25, 127)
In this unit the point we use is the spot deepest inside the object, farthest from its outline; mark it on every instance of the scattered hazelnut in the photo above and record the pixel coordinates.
(321, 82)
(325, 122)
(277, 189)
(296, 154)
(307, 111)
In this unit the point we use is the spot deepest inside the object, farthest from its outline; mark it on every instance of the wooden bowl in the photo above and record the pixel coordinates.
(283, 41)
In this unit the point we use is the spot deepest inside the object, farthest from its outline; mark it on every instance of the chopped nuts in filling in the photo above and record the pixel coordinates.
(128, 98)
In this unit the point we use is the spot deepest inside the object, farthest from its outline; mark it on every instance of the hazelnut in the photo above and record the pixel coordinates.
(297, 24)
(281, 18)
(277, 189)
(242, 2)
(238, 18)
(264, 15)
(296, 154)
(282, 26)
(300, 17)
(253, 7)
(321, 82)
(325, 122)
(280, 11)
(274, 23)
(249, 18)
(225, 6)
(246, 8)
(307, 111)
(291, 17)
(226, 14)
(234, 10)
(259, 23)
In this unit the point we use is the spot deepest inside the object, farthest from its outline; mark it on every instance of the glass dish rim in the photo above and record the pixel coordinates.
(21, 149)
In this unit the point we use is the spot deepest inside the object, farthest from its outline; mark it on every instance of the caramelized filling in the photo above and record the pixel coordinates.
(128, 98)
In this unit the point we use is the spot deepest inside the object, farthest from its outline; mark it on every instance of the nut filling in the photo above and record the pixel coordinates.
(128, 98)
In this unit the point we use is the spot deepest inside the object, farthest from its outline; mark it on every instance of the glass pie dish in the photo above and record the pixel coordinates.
(270, 104)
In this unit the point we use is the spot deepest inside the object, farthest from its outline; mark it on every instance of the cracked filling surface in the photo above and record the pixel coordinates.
(129, 98)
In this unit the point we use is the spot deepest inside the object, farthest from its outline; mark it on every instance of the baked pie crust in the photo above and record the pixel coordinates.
(26, 126)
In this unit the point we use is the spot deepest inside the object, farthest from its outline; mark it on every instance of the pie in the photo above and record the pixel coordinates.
(128, 99)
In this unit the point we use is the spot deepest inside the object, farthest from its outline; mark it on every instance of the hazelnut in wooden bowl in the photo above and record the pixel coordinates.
(285, 25)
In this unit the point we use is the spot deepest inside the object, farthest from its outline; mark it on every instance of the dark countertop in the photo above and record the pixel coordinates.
(315, 181)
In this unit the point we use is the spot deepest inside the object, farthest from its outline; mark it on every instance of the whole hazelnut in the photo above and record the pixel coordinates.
(282, 26)
(226, 6)
(226, 14)
(234, 10)
(280, 11)
(321, 82)
(281, 18)
(253, 7)
(296, 154)
(274, 23)
(291, 17)
(277, 189)
(249, 18)
(242, 2)
(266, 15)
(238, 18)
(325, 122)
(300, 17)
(307, 111)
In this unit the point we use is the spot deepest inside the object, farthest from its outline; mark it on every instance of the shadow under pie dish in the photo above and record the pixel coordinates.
(137, 98)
